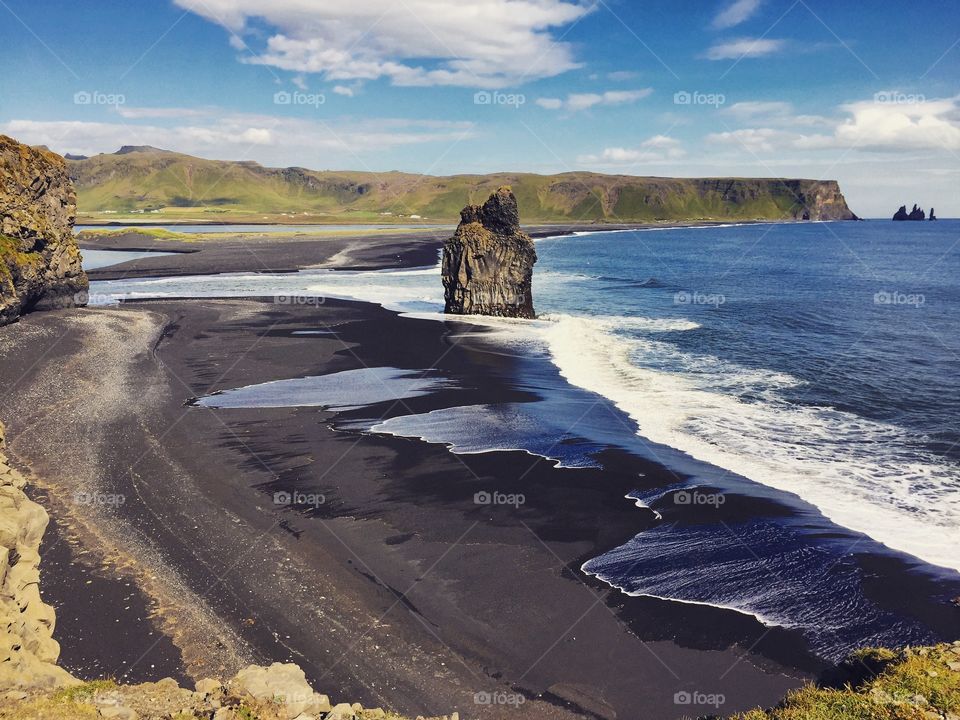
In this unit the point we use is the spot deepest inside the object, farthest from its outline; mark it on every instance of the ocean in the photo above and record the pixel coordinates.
(801, 382)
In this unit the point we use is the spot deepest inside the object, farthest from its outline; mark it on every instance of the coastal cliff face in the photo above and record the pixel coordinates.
(145, 179)
(488, 263)
(28, 652)
(819, 200)
(39, 259)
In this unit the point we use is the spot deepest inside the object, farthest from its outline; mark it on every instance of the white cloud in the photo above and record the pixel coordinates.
(550, 103)
(886, 126)
(658, 149)
(758, 108)
(744, 48)
(488, 44)
(753, 140)
(257, 136)
(343, 90)
(621, 75)
(737, 12)
(300, 81)
(585, 101)
(141, 113)
(872, 126)
(772, 113)
(270, 140)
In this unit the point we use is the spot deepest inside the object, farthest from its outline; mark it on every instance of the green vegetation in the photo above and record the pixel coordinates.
(84, 692)
(164, 186)
(914, 684)
(157, 233)
(11, 256)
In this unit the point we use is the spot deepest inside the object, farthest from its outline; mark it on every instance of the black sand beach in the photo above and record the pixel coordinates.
(399, 590)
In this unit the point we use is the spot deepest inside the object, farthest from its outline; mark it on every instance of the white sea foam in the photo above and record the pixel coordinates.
(858, 472)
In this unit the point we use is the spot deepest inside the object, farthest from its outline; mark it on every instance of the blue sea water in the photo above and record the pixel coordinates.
(814, 363)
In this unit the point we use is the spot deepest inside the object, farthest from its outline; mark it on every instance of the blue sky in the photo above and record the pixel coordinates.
(866, 93)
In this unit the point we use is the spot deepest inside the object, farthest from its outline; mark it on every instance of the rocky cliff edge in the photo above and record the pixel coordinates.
(39, 258)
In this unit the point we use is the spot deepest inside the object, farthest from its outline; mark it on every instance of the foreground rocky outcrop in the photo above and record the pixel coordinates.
(39, 258)
(28, 652)
(916, 214)
(277, 692)
(488, 263)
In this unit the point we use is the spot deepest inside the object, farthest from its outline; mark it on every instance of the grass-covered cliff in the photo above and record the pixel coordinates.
(912, 684)
(146, 179)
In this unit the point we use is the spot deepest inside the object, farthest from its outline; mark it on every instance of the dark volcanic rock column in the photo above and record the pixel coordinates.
(39, 258)
(488, 263)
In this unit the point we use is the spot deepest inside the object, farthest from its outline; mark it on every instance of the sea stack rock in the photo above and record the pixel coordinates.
(39, 259)
(488, 263)
(932, 216)
(915, 214)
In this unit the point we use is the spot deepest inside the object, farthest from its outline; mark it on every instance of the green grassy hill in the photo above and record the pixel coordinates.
(146, 179)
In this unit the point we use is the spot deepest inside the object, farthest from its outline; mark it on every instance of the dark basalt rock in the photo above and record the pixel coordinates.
(915, 214)
(932, 216)
(488, 263)
(40, 266)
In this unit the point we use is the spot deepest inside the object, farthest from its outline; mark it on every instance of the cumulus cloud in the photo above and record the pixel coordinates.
(488, 44)
(737, 12)
(343, 90)
(584, 101)
(744, 48)
(658, 149)
(270, 140)
(895, 123)
(902, 122)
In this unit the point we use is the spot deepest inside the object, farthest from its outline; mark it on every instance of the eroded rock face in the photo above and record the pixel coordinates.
(39, 258)
(818, 200)
(488, 263)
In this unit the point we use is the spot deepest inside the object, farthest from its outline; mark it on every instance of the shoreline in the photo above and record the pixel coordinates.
(288, 254)
(424, 613)
(411, 542)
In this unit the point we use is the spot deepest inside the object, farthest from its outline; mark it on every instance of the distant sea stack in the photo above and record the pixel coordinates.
(915, 214)
(488, 263)
(39, 259)
(932, 216)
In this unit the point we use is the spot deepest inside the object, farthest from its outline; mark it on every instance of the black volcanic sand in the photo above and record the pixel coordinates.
(81, 591)
(398, 590)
